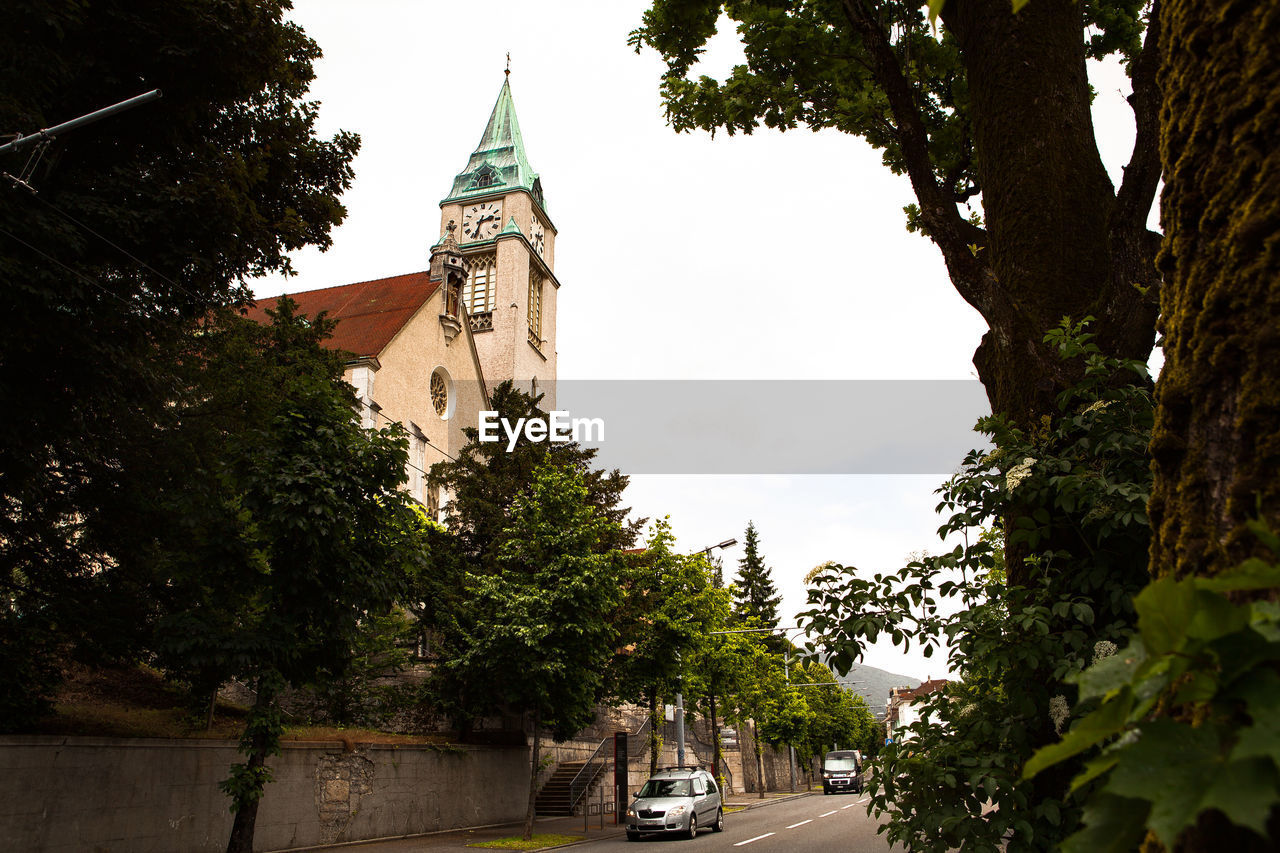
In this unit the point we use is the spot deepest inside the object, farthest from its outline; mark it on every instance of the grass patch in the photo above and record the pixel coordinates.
(537, 842)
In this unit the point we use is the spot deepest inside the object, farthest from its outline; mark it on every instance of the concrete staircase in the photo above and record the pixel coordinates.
(553, 797)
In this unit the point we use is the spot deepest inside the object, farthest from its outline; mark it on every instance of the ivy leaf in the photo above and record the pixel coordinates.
(1111, 825)
(1108, 720)
(1165, 609)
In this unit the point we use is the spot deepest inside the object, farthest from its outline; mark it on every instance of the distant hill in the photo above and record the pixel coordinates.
(873, 684)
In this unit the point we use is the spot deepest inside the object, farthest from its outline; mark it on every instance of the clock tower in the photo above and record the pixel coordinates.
(508, 243)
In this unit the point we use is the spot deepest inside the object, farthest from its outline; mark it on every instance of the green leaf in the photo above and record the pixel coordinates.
(1094, 768)
(1111, 673)
(1018, 4)
(1214, 616)
(1165, 609)
(1245, 791)
(935, 9)
(1111, 825)
(1262, 701)
(1108, 720)
(1172, 765)
(1253, 573)
(1265, 619)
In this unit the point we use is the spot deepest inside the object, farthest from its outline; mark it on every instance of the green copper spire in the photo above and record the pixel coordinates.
(499, 162)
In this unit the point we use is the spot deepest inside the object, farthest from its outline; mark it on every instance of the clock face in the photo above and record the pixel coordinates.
(482, 221)
(538, 237)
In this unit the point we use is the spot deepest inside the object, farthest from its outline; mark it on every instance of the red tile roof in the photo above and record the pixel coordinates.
(931, 686)
(369, 313)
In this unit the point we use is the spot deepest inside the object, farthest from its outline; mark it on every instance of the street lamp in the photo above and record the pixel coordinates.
(707, 550)
(680, 695)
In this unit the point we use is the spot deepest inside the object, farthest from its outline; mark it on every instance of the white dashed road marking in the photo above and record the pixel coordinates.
(851, 805)
(861, 801)
(749, 840)
(828, 813)
(801, 823)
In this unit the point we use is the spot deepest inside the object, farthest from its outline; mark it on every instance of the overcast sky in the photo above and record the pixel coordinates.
(771, 256)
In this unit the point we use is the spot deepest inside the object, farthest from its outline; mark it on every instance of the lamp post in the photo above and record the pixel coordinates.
(680, 694)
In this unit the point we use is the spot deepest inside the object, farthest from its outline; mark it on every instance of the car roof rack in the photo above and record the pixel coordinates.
(690, 768)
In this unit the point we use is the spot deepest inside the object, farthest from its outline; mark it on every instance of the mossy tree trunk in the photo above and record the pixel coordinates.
(1216, 442)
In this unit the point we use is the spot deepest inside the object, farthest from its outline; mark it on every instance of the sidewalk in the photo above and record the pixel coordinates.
(458, 839)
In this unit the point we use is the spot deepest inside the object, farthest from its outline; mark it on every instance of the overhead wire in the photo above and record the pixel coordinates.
(139, 261)
(75, 272)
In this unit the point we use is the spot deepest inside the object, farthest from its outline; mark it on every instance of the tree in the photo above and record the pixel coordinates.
(839, 716)
(486, 482)
(278, 532)
(1083, 480)
(1182, 720)
(138, 224)
(542, 634)
(756, 691)
(755, 598)
(713, 671)
(486, 479)
(669, 608)
(965, 113)
(1216, 440)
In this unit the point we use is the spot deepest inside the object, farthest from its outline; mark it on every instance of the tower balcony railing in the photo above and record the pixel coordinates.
(482, 321)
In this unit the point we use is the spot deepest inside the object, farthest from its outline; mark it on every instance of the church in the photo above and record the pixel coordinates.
(425, 347)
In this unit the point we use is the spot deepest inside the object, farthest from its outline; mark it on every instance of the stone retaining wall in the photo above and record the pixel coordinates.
(117, 795)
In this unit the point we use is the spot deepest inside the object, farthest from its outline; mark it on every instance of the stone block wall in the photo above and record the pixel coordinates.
(110, 795)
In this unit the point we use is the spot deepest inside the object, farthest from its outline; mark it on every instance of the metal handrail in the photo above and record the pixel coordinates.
(579, 786)
(585, 784)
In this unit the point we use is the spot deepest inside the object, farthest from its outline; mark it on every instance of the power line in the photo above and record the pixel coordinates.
(109, 242)
(90, 281)
(379, 413)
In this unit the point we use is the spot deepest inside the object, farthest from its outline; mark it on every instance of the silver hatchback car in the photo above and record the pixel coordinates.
(676, 800)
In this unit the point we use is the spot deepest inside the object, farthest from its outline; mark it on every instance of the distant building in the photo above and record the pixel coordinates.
(903, 709)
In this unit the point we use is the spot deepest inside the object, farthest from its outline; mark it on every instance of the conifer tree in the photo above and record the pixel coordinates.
(755, 597)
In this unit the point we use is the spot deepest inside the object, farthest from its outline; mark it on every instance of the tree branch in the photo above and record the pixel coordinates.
(969, 273)
(1142, 175)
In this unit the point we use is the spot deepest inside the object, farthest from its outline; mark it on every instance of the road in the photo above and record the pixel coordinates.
(812, 824)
